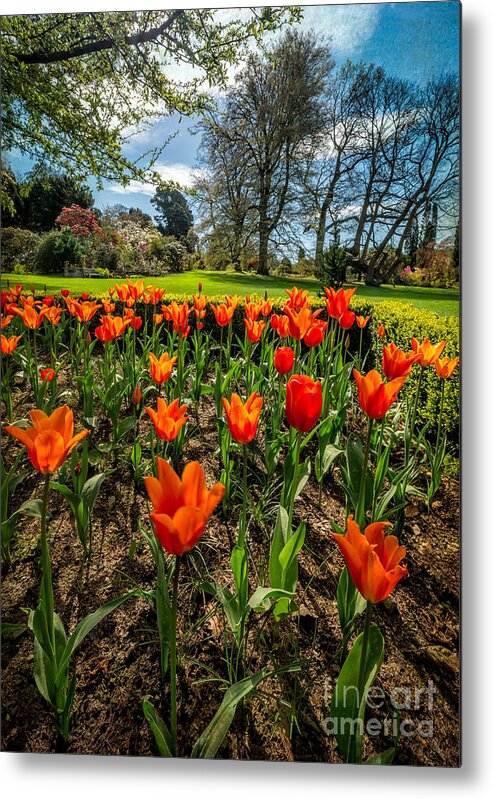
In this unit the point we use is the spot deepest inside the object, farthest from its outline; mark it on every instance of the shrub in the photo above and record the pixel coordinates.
(402, 321)
(18, 246)
(57, 250)
(20, 269)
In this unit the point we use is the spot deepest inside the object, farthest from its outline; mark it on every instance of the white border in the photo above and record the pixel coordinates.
(43, 775)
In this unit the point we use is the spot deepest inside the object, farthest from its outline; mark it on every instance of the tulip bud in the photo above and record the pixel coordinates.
(136, 396)
(88, 337)
(347, 341)
(200, 287)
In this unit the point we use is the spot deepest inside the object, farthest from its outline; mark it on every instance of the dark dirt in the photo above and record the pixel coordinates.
(118, 663)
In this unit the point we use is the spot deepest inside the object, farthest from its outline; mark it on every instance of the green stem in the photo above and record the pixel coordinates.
(379, 455)
(47, 583)
(441, 413)
(364, 649)
(297, 449)
(172, 656)
(242, 530)
(360, 508)
(415, 409)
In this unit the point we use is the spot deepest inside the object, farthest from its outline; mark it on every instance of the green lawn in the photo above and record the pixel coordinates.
(445, 302)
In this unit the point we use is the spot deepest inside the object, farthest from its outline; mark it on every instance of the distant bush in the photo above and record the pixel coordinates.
(18, 246)
(57, 250)
(21, 269)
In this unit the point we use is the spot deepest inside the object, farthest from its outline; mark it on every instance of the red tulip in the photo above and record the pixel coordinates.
(303, 402)
(284, 360)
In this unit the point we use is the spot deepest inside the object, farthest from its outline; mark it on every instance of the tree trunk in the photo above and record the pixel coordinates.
(263, 244)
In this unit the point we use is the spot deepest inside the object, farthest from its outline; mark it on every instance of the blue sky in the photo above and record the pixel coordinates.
(416, 41)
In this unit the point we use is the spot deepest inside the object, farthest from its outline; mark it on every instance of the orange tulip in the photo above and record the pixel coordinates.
(50, 440)
(266, 307)
(5, 321)
(136, 396)
(54, 314)
(337, 302)
(161, 368)
(254, 330)
(231, 301)
(136, 289)
(157, 318)
(181, 507)
(108, 307)
(31, 318)
(135, 322)
(300, 322)
(280, 323)
(168, 420)
(298, 299)
(199, 305)
(9, 344)
(376, 396)
(122, 291)
(381, 331)
(223, 313)
(252, 310)
(372, 559)
(445, 367)
(111, 327)
(153, 295)
(396, 362)
(427, 352)
(178, 314)
(243, 419)
(303, 402)
(84, 311)
(362, 321)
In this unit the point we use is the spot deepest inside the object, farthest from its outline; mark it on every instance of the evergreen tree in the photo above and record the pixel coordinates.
(174, 217)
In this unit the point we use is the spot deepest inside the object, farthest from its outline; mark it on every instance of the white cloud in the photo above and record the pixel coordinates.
(349, 26)
(178, 173)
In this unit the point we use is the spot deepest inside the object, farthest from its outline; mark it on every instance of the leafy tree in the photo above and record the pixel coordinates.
(56, 250)
(173, 215)
(75, 85)
(47, 192)
(12, 199)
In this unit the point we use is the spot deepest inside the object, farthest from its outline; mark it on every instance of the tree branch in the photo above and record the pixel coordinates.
(98, 46)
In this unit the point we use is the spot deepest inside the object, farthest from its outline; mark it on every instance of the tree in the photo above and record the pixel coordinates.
(412, 244)
(75, 86)
(47, 191)
(174, 217)
(274, 106)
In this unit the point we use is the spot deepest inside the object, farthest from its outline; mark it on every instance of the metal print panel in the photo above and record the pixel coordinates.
(230, 383)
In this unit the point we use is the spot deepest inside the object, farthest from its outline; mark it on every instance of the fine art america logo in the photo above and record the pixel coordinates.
(412, 712)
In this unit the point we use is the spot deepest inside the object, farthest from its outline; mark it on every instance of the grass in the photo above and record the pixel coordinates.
(444, 302)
